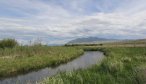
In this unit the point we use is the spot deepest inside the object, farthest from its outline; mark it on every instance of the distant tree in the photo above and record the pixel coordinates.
(101, 44)
(8, 43)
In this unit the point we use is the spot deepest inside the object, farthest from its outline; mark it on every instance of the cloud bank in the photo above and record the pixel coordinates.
(58, 21)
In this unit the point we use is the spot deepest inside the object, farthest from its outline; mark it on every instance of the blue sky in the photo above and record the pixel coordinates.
(58, 21)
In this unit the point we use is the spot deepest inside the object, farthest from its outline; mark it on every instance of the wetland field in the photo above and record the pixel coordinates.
(120, 65)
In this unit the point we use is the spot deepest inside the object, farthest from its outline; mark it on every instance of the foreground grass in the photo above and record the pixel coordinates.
(122, 66)
(22, 59)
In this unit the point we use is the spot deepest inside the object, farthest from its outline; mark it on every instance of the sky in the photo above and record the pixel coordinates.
(59, 21)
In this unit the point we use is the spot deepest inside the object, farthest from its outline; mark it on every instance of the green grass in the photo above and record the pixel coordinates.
(22, 59)
(121, 66)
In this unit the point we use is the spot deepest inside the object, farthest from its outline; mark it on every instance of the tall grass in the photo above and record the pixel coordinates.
(121, 66)
(21, 59)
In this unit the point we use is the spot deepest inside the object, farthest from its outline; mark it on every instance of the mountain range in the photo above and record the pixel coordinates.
(89, 40)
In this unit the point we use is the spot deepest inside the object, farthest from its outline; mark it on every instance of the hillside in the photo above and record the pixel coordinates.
(90, 40)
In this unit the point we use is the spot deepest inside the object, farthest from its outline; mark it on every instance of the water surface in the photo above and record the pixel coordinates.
(85, 61)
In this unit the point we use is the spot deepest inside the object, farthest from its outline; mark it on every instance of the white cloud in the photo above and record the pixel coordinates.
(54, 21)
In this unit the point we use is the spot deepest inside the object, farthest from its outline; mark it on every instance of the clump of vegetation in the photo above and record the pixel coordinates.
(126, 59)
(113, 67)
(119, 67)
(8, 43)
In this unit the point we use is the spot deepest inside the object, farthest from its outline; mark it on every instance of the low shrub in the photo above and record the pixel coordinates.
(8, 43)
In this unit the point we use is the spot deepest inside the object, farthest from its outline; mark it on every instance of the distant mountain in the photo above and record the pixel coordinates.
(90, 40)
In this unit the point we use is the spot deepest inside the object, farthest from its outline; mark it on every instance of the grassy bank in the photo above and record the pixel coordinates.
(22, 59)
(122, 66)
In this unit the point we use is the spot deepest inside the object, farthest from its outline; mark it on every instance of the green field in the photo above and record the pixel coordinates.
(122, 43)
(22, 59)
(121, 66)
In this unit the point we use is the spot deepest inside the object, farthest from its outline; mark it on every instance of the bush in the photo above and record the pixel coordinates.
(8, 43)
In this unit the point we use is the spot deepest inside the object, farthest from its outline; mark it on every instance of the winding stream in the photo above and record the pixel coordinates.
(85, 61)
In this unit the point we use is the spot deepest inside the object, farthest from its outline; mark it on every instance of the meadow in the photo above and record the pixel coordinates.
(22, 59)
(122, 65)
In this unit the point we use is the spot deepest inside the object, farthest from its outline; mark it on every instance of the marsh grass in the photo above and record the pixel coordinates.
(22, 59)
(121, 66)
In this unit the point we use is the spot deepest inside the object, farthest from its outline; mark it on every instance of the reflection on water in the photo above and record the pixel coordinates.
(84, 61)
